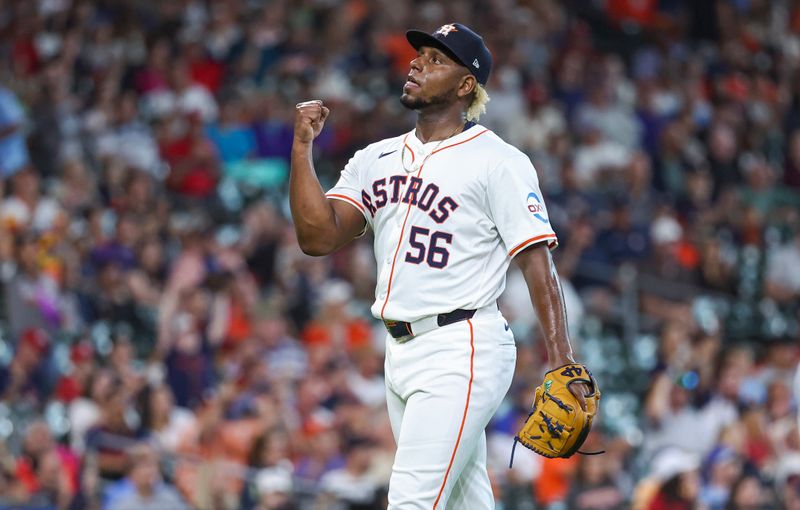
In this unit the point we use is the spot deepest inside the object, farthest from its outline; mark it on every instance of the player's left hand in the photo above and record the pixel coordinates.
(556, 427)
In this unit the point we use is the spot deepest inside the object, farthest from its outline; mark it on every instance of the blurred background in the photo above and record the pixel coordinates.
(165, 344)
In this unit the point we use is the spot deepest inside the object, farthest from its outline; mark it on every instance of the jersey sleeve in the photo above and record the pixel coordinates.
(517, 206)
(348, 188)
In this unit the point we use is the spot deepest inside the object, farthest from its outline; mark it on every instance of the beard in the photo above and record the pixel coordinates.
(418, 103)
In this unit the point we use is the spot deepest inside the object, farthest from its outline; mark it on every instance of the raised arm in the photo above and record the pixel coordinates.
(322, 225)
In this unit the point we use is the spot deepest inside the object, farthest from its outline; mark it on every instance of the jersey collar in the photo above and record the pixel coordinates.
(424, 148)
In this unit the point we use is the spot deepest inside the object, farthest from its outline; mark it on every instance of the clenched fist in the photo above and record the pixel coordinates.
(308, 121)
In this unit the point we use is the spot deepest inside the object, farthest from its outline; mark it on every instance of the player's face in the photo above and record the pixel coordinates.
(434, 80)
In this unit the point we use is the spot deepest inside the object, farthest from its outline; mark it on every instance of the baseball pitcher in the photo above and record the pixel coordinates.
(450, 205)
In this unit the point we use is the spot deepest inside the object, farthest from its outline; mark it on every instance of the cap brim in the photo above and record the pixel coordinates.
(418, 39)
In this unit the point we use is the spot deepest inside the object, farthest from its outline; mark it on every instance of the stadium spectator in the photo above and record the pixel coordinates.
(143, 487)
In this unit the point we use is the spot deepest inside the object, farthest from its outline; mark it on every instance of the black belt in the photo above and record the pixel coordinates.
(399, 329)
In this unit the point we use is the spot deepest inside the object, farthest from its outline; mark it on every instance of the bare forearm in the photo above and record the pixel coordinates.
(314, 217)
(545, 291)
(549, 305)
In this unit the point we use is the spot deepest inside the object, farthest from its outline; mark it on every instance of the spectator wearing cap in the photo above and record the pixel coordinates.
(673, 482)
(274, 491)
(672, 258)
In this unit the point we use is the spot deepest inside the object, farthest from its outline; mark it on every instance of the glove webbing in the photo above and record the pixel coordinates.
(555, 430)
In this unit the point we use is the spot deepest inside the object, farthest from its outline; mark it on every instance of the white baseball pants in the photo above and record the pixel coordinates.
(442, 389)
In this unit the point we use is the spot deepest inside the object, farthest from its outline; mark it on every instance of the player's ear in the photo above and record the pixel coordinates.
(467, 85)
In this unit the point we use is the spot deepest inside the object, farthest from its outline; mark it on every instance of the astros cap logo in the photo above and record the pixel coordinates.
(446, 29)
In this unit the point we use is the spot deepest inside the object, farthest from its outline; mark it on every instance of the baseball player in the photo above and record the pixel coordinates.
(450, 205)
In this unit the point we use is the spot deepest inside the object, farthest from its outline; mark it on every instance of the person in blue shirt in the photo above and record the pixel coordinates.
(13, 150)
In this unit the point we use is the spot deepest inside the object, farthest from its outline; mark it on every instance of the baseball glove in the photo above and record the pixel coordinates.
(557, 426)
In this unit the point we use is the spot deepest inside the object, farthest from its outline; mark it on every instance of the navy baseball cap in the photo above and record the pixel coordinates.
(458, 41)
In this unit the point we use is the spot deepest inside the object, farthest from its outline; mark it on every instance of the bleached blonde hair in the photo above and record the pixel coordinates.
(478, 105)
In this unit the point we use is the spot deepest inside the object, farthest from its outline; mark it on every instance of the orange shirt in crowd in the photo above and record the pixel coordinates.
(553, 483)
(216, 462)
(352, 334)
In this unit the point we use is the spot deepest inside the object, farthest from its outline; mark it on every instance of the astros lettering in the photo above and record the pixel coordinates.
(408, 190)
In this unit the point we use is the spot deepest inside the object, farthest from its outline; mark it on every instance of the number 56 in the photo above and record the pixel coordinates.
(437, 255)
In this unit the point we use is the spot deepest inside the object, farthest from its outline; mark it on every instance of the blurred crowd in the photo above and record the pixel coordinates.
(165, 344)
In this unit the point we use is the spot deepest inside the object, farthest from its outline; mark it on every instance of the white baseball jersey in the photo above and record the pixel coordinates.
(448, 217)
